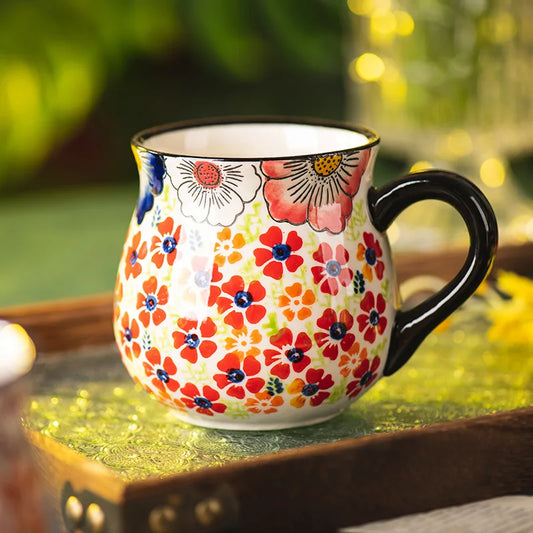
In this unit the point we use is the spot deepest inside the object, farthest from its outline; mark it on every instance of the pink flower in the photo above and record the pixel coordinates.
(289, 353)
(317, 190)
(333, 269)
(336, 335)
(371, 320)
(279, 252)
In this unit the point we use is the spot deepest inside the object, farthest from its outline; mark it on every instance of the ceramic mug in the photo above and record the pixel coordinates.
(256, 288)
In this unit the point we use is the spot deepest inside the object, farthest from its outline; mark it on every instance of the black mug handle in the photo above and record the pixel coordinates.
(385, 204)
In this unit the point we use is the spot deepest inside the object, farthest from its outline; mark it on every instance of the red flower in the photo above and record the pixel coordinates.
(370, 252)
(312, 388)
(371, 320)
(238, 375)
(160, 372)
(204, 403)
(133, 256)
(128, 334)
(193, 339)
(150, 302)
(278, 252)
(365, 374)
(318, 190)
(288, 354)
(337, 333)
(241, 302)
(165, 244)
(334, 269)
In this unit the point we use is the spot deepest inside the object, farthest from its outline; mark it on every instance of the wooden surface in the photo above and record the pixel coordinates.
(323, 487)
(82, 322)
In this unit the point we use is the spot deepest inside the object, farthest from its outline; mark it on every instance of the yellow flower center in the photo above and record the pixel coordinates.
(326, 165)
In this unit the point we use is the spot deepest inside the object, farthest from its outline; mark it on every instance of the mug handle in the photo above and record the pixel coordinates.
(386, 203)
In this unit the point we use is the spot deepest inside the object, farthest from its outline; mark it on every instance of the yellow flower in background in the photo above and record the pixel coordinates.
(512, 319)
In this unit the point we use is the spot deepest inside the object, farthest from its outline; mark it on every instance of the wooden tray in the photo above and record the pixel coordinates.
(311, 488)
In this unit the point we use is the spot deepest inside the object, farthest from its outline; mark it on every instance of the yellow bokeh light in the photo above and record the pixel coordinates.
(419, 166)
(458, 143)
(382, 27)
(369, 67)
(361, 7)
(492, 172)
(405, 24)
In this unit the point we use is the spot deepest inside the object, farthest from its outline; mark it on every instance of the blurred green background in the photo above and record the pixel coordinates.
(79, 78)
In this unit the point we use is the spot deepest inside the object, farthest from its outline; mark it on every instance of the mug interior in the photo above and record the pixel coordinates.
(253, 140)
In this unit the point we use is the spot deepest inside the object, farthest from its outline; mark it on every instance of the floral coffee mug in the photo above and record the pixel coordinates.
(256, 288)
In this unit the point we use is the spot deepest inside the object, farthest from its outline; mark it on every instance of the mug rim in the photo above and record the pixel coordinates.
(139, 138)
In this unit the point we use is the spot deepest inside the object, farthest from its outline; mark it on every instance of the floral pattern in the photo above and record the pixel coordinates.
(227, 247)
(238, 302)
(151, 302)
(317, 190)
(135, 253)
(336, 335)
(364, 375)
(213, 192)
(152, 170)
(279, 252)
(164, 243)
(371, 320)
(193, 339)
(333, 270)
(263, 316)
(313, 388)
(296, 302)
(129, 337)
(289, 353)
(204, 402)
(238, 375)
(160, 371)
(370, 252)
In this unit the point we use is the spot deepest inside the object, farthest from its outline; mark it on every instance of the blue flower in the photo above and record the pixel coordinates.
(152, 172)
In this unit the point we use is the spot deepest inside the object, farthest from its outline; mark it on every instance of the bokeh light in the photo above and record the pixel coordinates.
(492, 172)
(368, 67)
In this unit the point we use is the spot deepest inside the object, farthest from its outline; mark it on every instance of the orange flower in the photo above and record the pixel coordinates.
(263, 403)
(226, 248)
(349, 361)
(297, 302)
(242, 343)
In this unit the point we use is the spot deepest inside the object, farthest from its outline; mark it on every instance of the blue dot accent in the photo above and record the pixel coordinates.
(333, 268)
(281, 252)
